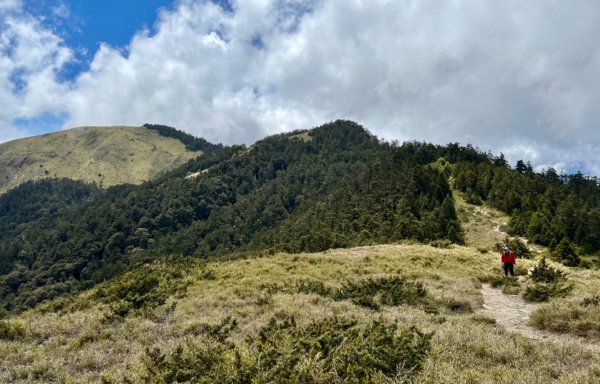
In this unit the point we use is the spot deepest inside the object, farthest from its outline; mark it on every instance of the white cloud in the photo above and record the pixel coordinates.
(6, 5)
(31, 57)
(511, 76)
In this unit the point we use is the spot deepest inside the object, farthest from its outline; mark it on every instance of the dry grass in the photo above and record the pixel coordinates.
(107, 156)
(577, 314)
(79, 346)
(304, 136)
(482, 226)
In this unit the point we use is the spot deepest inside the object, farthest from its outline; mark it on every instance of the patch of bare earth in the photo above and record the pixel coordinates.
(512, 313)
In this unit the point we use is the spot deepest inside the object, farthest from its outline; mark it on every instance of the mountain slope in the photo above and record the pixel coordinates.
(335, 186)
(106, 156)
(341, 316)
(340, 188)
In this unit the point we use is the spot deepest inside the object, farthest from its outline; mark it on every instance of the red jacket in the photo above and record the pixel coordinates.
(508, 257)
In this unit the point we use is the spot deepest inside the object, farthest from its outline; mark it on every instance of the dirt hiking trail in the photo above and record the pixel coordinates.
(512, 313)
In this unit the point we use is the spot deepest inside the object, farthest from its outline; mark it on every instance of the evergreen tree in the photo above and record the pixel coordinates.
(566, 253)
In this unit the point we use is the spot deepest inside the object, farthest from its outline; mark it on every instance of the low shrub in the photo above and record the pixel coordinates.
(593, 301)
(369, 293)
(11, 330)
(203, 363)
(548, 282)
(332, 350)
(511, 289)
(390, 291)
(442, 244)
(219, 332)
(141, 290)
(504, 281)
(541, 292)
(483, 319)
(544, 273)
(272, 288)
(472, 198)
(457, 305)
(509, 284)
(313, 286)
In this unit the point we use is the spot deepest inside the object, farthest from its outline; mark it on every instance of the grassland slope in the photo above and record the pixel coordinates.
(180, 318)
(104, 155)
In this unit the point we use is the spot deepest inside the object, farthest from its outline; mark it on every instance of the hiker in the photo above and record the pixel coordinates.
(508, 260)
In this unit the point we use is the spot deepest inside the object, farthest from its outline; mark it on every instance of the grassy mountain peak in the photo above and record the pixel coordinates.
(104, 155)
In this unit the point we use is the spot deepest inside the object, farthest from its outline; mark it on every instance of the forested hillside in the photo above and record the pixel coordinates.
(543, 207)
(334, 186)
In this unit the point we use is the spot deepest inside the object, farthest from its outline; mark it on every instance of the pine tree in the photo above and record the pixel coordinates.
(566, 253)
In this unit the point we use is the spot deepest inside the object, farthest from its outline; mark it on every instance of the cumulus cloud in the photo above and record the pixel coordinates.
(31, 58)
(511, 76)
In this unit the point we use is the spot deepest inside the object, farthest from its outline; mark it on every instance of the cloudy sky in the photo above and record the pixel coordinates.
(511, 76)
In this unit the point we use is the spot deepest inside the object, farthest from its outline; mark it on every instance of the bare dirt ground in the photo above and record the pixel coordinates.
(512, 313)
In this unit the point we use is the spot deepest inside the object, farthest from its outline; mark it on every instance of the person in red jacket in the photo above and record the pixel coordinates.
(508, 260)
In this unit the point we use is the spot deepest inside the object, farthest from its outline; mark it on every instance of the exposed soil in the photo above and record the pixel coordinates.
(512, 313)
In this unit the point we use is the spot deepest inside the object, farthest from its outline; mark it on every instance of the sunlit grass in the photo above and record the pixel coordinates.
(77, 344)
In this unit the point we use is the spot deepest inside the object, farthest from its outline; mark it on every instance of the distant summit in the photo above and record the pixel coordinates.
(104, 155)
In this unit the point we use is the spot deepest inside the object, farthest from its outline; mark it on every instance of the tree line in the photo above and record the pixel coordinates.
(334, 186)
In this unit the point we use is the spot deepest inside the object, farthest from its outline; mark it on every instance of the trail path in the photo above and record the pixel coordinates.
(512, 313)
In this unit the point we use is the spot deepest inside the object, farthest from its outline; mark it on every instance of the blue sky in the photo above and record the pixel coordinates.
(521, 78)
(84, 25)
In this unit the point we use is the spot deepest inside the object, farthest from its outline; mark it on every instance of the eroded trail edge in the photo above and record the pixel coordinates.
(512, 313)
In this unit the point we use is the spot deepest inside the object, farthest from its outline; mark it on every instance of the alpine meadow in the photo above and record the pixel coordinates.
(315, 256)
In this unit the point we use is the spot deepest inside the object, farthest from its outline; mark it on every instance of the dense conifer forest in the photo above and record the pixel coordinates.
(331, 187)
(543, 207)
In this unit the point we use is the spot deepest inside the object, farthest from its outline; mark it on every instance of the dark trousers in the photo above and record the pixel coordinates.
(509, 268)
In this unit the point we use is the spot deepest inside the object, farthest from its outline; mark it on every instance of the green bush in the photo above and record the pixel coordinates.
(549, 282)
(391, 291)
(566, 253)
(370, 293)
(511, 289)
(142, 290)
(455, 305)
(541, 292)
(473, 198)
(442, 244)
(544, 273)
(202, 363)
(313, 286)
(333, 350)
(219, 332)
(272, 288)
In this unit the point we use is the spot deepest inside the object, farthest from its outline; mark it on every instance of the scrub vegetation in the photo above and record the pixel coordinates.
(306, 317)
